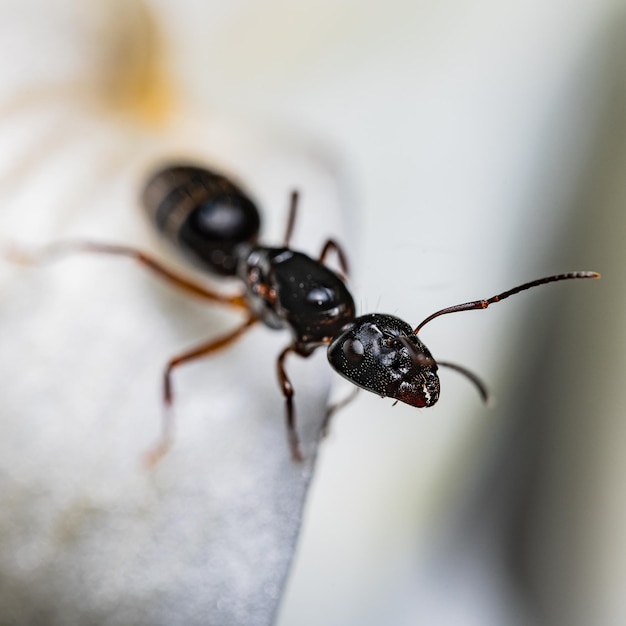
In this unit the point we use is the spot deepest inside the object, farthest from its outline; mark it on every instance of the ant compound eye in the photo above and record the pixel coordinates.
(353, 350)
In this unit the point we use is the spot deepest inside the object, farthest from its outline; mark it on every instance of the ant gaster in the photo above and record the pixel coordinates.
(214, 222)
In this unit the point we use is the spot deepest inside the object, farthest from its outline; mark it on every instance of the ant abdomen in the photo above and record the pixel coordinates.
(208, 216)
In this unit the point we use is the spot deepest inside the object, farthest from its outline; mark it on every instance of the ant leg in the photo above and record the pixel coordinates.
(291, 219)
(155, 454)
(483, 304)
(331, 244)
(335, 408)
(477, 382)
(288, 391)
(65, 248)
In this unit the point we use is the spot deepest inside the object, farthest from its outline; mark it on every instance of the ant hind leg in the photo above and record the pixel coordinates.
(61, 249)
(156, 453)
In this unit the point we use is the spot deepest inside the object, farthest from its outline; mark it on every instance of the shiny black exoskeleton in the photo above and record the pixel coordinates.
(286, 288)
(205, 214)
(216, 223)
(380, 353)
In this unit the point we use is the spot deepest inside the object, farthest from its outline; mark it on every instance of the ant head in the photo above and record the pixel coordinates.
(380, 353)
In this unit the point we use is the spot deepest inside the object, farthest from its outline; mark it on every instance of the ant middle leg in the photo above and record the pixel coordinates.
(155, 454)
(331, 244)
(61, 249)
(291, 218)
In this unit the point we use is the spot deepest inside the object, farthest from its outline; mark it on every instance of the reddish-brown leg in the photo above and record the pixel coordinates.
(291, 219)
(288, 391)
(335, 408)
(203, 350)
(331, 244)
(64, 248)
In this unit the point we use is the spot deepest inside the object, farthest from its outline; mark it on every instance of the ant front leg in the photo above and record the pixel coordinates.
(155, 454)
(288, 391)
(61, 249)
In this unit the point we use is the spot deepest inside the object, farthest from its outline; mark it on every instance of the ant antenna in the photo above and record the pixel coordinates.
(483, 304)
(477, 382)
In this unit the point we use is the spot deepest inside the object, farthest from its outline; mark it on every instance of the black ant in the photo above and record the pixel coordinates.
(215, 222)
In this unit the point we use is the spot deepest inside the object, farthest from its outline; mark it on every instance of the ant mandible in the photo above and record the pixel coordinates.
(215, 222)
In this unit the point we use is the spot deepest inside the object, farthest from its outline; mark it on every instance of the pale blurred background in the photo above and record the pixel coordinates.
(476, 146)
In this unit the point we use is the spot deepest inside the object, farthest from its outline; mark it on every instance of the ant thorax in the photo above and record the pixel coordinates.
(289, 289)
